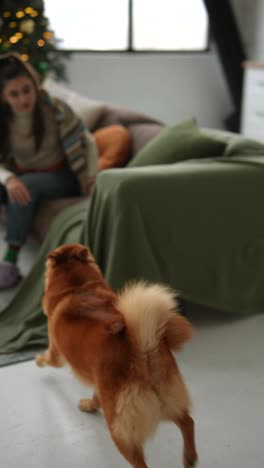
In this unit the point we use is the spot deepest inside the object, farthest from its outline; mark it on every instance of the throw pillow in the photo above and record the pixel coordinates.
(178, 143)
(244, 146)
(113, 144)
(143, 133)
(89, 110)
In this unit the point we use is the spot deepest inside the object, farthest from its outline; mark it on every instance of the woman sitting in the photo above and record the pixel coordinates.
(45, 153)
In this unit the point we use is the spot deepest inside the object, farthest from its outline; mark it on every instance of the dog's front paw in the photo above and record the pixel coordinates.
(190, 462)
(40, 360)
(49, 359)
(88, 405)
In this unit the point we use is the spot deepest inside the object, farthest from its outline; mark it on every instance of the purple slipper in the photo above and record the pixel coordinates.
(9, 275)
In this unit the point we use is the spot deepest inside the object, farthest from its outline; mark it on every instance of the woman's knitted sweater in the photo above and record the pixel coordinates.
(65, 137)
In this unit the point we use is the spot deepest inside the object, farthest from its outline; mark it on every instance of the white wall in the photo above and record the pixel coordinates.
(250, 18)
(258, 34)
(169, 86)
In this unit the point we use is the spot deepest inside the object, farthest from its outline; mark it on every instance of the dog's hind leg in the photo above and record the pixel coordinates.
(50, 357)
(186, 425)
(90, 404)
(134, 455)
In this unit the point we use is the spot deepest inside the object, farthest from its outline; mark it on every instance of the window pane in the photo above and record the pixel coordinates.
(89, 24)
(169, 25)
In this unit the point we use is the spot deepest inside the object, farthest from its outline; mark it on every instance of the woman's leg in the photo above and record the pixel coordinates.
(42, 186)
(3, 195)
(9, 273)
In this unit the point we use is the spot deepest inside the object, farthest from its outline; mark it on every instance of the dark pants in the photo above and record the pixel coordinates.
(42, 186)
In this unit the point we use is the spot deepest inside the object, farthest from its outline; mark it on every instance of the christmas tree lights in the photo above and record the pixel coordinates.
(25, 29)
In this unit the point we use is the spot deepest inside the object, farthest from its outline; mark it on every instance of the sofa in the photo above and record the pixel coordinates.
(185, 210)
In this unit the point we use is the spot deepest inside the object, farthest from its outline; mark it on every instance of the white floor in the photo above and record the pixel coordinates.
(42, 427)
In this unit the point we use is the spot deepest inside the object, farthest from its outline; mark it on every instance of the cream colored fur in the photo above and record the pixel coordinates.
(147, 309)
(139, 408)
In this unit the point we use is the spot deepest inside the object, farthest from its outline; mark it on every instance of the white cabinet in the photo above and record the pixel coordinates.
(252, 114)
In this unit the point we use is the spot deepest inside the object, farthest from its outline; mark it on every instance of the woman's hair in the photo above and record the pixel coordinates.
(12, 67)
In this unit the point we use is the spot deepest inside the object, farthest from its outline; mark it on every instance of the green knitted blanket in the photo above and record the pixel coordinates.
(23, 326)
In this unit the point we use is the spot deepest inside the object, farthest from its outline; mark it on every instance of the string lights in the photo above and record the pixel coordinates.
(26, 30)
(26, 27)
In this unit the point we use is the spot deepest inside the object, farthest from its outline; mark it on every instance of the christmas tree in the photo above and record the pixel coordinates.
(25, 29)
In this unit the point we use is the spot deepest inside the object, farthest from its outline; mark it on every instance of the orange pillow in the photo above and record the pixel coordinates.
(113, 144)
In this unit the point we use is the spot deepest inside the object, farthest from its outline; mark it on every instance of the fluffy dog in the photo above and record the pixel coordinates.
(121, 344)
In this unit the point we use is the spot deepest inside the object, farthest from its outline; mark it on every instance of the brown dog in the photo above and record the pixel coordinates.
(121, 345)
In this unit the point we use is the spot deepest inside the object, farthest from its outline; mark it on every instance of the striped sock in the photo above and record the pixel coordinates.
(11, 254)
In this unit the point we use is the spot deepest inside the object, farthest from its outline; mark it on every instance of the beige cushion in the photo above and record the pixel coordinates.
(89, 110)
(141, 134)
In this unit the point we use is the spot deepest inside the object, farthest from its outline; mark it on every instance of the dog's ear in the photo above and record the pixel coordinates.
(82, 254)
(78, 253)
(117, 326)
(55, 257)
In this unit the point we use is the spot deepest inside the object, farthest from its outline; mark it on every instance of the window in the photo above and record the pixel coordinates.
(139, 25)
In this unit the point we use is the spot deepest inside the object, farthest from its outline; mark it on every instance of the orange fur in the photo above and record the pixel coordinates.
(121, 345)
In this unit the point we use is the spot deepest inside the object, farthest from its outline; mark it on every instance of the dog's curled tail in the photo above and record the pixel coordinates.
(149, 312)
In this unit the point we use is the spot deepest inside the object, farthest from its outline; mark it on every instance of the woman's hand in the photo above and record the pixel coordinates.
(17, 191)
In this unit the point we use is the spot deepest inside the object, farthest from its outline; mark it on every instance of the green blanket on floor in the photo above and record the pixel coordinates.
(197, 225)
(23, 326)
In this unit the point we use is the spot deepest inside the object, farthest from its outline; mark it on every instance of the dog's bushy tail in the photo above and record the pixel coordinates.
(150, 313)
